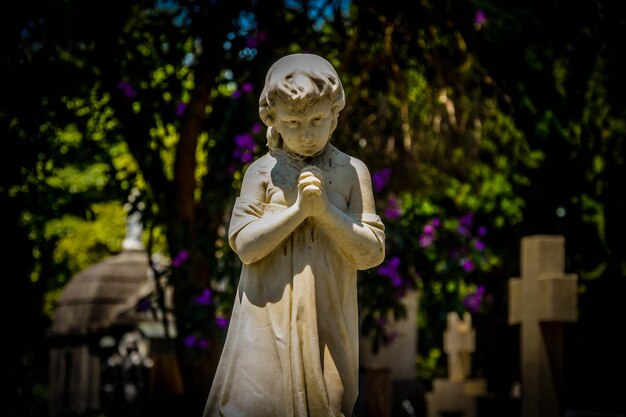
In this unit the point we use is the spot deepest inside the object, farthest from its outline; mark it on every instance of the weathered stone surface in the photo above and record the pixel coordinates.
(457, 394)
(96, 297)
(459, 342)
(540, 301)
(303, 225)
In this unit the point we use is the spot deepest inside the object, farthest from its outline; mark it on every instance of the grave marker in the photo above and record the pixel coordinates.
(541, 300)
(457, 394)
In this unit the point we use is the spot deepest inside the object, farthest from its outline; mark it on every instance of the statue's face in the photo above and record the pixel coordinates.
(305, 131)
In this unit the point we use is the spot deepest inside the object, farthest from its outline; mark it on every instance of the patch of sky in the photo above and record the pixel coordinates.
(248, 53)
(166, 5)
(189, 59)
(180, 13)
(320, 11)
(295, 5)
(182, 19)
(246, 22)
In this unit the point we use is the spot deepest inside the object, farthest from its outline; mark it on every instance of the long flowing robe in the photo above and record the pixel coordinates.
(292, 344)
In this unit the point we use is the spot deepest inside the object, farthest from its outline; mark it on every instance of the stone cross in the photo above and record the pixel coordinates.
(459, 342)
(457, 395)
(541, 300)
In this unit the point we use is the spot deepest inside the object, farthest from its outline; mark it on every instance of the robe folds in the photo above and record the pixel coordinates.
(292, 344)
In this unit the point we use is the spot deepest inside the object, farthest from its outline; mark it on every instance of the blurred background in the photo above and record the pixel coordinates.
(127, 128)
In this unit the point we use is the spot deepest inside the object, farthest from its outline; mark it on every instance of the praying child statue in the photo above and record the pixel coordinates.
(303, 225)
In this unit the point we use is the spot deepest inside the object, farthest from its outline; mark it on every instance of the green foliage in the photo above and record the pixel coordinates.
(82, 242)
(509, 121)
(455, 157)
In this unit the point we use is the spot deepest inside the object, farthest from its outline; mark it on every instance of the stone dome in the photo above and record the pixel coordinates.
(104, 295)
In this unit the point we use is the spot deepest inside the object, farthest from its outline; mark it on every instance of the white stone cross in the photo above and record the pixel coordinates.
(459, 342)
(541, 300)
(457, 394)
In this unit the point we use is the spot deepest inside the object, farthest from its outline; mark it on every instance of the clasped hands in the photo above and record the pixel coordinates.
(312, 198)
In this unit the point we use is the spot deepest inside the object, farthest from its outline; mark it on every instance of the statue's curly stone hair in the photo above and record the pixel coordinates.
(299, 80)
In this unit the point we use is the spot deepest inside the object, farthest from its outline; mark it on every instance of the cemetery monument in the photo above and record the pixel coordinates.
(303, 225)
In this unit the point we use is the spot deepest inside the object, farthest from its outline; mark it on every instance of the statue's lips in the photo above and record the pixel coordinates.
(309, 149)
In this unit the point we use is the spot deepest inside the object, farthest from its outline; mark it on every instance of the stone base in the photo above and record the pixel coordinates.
(455, 397)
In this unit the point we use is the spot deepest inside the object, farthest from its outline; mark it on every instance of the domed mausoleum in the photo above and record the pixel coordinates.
(106, 333)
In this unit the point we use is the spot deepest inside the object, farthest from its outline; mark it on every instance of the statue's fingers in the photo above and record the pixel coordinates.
(315, 171)
(310, 181)
(311, 190)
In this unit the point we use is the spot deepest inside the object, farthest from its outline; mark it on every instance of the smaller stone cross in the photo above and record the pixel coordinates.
(541, 300)
(458, 393)
(459, 342)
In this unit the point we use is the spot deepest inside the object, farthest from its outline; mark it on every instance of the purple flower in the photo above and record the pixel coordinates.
(180, 108)
(428, 229)
(246, 157)
(247, 88)
(380, 179)
(256, 128)
(390, 270)
(205, 298)
(435, 222)
(127, 89)
(425, 240)
(195, 341)
(245, 141)
(480, 18)
(221, 322)
(389, 337)
(244, 147)
(467, 220)
(482, 231)
(479, 245)
(473, 300)
(467, 264)
(190, 340)
(203, 344)
(392, 211)
(180, 258)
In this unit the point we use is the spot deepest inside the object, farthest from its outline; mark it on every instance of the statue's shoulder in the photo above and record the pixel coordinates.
(349, 162)
(261, 166)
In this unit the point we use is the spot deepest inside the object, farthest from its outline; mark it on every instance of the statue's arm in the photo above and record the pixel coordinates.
(260, 237)
(363, 245)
